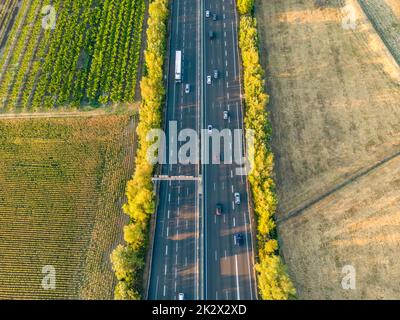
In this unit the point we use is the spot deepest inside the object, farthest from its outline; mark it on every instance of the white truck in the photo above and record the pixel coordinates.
(178, 67)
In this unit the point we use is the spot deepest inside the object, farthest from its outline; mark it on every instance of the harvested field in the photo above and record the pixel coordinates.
(395, 6)
(383, 16)
(335, 111)
(62, 185)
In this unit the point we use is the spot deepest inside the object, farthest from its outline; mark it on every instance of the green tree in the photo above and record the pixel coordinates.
(273, 280)
(124, 292)
(126, 263)
(245, 6)
(134, 235)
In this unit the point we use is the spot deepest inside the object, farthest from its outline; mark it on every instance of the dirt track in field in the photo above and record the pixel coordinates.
(335, 110)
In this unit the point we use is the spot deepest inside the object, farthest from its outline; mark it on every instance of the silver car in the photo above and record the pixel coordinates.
(187, 88)
(237, 198)
(207, 13)
(226, 115)
(208, 79)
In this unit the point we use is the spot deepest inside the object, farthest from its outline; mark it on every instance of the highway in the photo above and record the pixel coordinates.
(229, 272)
(175, 258)
(193, 249)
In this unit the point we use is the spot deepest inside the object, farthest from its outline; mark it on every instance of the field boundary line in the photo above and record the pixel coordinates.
(299, 211)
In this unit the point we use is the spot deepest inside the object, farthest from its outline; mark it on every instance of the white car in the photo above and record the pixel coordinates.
(181, 296)
(187, 88)
(237, 198)
(208, 79)
(207, 13)
(210, 129)
(226, 115)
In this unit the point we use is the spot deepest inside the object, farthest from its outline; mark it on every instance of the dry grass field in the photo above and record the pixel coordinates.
(395, 6)
(62, 183)
(335, 111)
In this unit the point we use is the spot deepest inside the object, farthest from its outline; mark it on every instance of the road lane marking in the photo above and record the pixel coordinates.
(234, 56)
(237, 277)
(231, 174)
(165, 270)
(169, 198)
(233, 189)
(233, 205)
(234, 222)
(167, 233)
(168, 214)
(165, 289)
(158, 280)
(186, 261)
(166, 250)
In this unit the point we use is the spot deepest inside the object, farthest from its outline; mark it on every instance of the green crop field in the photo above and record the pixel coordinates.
(62, 183)
(69, 53)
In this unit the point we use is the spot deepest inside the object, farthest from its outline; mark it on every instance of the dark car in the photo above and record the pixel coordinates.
(216, 74)
(215, 17)
(218, 210)
(211, 35)
(238, 239)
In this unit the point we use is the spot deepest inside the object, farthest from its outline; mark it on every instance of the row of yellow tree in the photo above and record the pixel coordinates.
(273, 280)
(129, 260)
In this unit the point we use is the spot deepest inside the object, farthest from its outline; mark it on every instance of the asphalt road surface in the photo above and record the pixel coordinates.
(193, 250)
